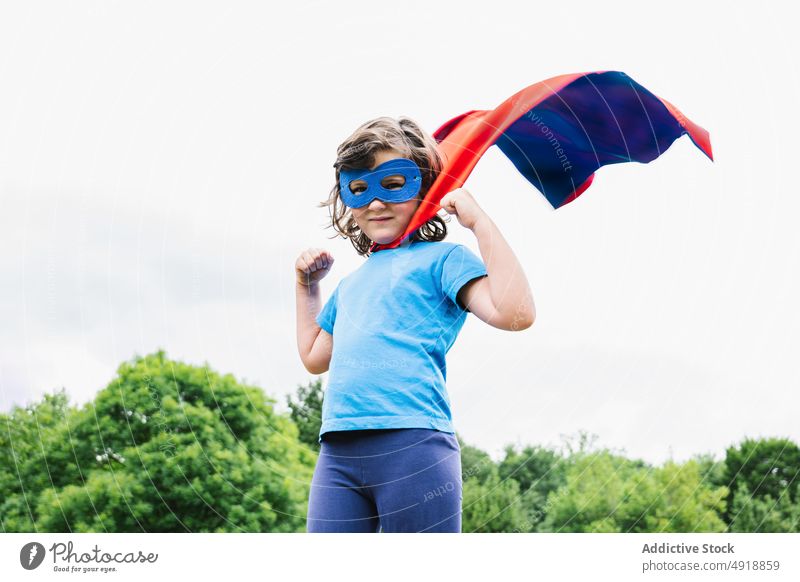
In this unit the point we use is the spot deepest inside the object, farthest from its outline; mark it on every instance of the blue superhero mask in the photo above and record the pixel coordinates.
(397, 180)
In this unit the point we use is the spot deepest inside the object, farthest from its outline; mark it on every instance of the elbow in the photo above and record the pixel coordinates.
(317, 359)
(516, 319)
(522, 323)
(315, 368)
(517, 322)
(522, 319)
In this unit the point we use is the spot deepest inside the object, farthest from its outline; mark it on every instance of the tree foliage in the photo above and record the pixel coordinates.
(609, 493)
(165, 447)
(171, 447)
(763, 477)
(306, 412)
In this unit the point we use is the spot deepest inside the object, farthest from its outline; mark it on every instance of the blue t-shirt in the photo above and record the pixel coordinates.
(393, 320)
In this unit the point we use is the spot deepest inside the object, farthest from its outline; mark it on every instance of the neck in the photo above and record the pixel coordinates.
(375, 247)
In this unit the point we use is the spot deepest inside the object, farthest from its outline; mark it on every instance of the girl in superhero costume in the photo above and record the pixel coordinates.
(389, 459)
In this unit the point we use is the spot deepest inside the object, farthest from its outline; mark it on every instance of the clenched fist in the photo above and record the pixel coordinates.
(312, 265)
(461, 203)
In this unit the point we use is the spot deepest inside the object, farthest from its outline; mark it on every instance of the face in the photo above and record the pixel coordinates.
(382, 221)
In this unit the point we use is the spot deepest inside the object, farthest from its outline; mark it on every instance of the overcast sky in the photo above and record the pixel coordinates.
(160, 166)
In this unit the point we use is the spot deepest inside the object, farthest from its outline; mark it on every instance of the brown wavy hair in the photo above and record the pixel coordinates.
(357, 151)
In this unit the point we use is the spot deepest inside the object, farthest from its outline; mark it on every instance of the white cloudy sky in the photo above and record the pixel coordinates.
(160, 164)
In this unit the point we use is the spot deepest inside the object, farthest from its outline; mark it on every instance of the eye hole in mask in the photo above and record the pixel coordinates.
(357, 186)
(393, 182)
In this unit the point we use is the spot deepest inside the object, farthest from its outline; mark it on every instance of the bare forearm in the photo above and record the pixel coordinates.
(309, 305)
(509, 288)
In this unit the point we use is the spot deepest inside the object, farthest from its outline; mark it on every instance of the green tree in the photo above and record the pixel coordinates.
(763, 514)
(538, 471)
(306, 412)
(490, 503)
(165, 447)
(761, 468)
(35, 455)
(475, 463)
(608, 493)
(711, 470)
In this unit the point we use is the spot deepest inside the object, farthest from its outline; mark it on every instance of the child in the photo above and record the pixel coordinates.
(389, 457)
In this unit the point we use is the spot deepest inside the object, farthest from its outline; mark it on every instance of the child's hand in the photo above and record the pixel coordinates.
(312, 265)
(461, 203)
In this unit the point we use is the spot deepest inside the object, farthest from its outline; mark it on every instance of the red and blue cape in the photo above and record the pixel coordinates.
(557, 133)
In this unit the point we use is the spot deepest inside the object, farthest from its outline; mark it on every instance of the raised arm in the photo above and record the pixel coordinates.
(314, 344)
(503, 299)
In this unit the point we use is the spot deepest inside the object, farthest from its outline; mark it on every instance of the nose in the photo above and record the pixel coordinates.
(376, 205)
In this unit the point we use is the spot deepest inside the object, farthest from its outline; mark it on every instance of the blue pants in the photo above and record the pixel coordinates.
(398, 480)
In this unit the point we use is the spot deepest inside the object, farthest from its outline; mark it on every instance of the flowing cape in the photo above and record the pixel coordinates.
(557, 133)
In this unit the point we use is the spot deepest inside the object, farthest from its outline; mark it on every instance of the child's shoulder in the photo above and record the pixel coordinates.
(436, 247)
(439, 252)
